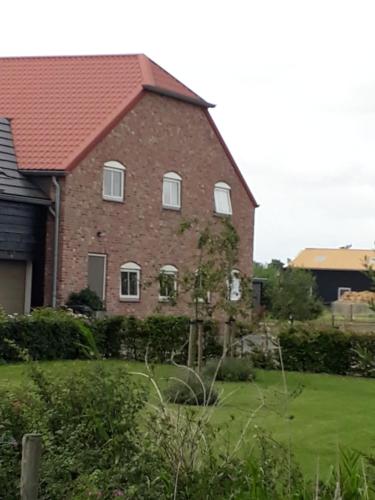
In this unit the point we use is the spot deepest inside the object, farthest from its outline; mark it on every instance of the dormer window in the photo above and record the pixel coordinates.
(113, 181)
(172, 191)
(223, 203)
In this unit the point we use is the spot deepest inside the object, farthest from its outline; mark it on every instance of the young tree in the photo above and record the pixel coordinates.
(214, 285)
(292, 295)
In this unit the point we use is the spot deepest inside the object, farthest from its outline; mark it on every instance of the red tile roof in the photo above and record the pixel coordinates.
(61, 106)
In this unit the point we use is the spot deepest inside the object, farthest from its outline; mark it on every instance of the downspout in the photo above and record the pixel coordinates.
(56, 241)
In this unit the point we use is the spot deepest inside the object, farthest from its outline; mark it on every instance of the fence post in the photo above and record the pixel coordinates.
(31, 454)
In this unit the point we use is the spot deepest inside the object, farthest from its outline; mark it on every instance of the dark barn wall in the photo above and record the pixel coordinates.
(22, 227)
(329, 281)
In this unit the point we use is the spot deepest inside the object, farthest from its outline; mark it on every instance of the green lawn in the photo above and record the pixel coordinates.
(330, 412)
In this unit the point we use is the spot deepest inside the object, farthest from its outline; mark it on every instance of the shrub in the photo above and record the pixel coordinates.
(86, 298)
(89, 422)
(267, 359)
(190, 389)
(230, 369)
(45, 334)
(306, 347)
(109, 335)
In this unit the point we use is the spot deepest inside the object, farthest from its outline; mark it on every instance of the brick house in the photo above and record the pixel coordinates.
(124, 152)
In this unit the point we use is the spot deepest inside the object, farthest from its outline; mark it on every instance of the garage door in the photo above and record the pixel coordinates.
(12, 286)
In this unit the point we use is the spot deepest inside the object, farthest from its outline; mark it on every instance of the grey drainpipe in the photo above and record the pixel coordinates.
(56, 242)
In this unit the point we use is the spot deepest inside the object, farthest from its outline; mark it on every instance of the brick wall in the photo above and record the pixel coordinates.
(159, 135)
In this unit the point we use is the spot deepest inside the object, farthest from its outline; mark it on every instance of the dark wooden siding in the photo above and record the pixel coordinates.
(329, 281)
(21, 229)
(22, 236)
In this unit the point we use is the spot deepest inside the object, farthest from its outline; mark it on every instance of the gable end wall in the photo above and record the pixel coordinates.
(158, 135)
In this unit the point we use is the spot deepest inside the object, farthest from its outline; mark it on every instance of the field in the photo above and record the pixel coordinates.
(328, 411)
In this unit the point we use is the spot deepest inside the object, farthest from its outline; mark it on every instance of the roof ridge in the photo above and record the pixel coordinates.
(71, 56)
(146, 70)
(336, 249)
(173, 77)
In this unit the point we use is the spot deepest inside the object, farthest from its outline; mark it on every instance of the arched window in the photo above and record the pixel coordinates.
(172, 190)
(130, 278)
(168, 282)
(113, 181)
(223, 203)
(234, 287)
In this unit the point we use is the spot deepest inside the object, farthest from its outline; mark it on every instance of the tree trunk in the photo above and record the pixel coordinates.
(232, 327)
(200, 346)
(192, 344)
(226, 338)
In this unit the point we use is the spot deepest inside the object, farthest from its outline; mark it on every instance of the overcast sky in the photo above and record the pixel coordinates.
(294, 84)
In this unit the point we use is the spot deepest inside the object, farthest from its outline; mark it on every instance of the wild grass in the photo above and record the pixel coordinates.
(330, 412)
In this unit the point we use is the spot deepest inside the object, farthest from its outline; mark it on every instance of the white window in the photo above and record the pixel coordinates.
(168, 283)
(223, 203)
(235, 286)
(172, 190)
(130, 280)
(341, 290)
(113, 181)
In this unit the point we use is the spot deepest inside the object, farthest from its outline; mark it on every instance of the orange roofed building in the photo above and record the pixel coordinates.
(337, 270)
(101, 159)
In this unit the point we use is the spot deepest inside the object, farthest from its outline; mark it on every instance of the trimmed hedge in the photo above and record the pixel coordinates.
(44, 335)
(156, 337)
(47, 334)
(324, 350)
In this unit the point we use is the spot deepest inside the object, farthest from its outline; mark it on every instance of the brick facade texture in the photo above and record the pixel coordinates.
(159, 135)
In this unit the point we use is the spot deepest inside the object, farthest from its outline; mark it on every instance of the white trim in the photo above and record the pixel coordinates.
(169, 269)
(131, 267)
(114, 166)
(28, 285)
(173, 176)
(222, 185)
(105, 271)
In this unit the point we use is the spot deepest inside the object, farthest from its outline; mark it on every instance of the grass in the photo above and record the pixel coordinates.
(330, 412)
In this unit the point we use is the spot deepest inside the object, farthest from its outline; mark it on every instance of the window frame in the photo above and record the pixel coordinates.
(223, 187)
(131, 267)
(172, 178)
(114, 166)
(341, 290)
(169, 270)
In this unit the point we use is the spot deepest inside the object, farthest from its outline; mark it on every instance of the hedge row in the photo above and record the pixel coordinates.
(47, 334)
(327, 350)
(156, 337)
(44, 335)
